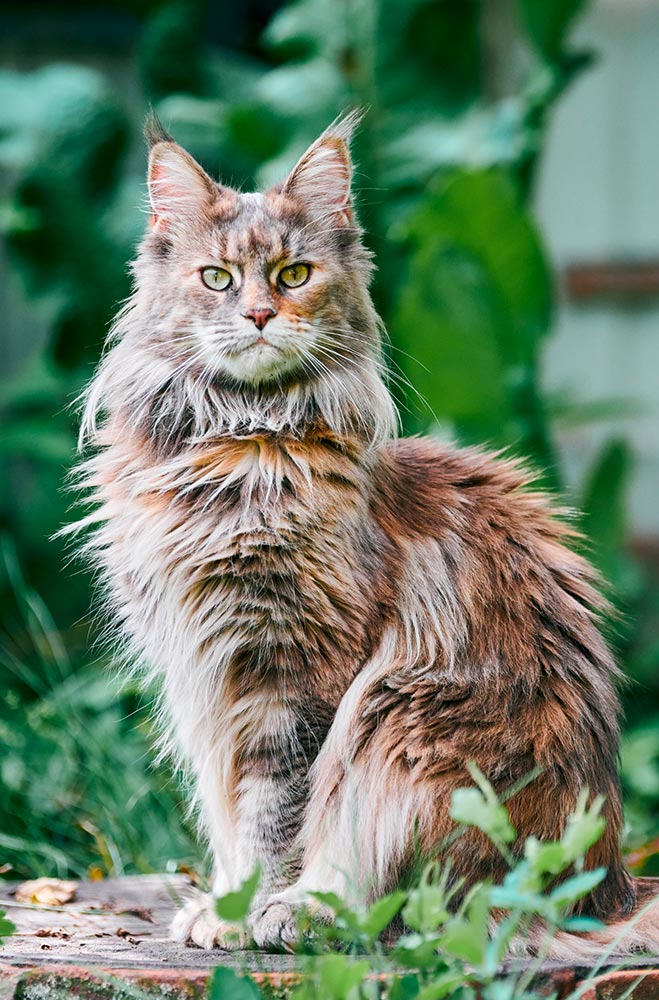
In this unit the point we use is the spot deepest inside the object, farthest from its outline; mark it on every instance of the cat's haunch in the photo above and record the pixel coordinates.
(339, 620)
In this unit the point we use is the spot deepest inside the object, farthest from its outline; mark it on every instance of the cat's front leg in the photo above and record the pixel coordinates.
(197, 922)
(359, 818)
(252, 810)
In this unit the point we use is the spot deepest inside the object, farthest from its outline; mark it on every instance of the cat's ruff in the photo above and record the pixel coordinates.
(338, 620)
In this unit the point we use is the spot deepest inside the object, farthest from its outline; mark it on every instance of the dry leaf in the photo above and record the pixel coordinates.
(143, 912)
(126, 935)
(46, 891)
(121, 908)
(194, 876)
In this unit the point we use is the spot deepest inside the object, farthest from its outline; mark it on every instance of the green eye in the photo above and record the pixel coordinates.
(216, 278)
(294, 275)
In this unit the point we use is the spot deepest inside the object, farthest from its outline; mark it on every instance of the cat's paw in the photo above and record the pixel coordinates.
(198, 924)
(286, 918)
(275, 925)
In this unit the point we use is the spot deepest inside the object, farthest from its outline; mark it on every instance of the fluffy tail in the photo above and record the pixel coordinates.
(637, 933)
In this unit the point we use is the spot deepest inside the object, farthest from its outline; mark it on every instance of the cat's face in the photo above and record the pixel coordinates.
(257, 287)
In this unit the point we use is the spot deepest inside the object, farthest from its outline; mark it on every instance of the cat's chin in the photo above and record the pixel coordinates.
(261, 364)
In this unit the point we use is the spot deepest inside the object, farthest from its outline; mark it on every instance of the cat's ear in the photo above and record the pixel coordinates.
(179, 189)
(321, 180)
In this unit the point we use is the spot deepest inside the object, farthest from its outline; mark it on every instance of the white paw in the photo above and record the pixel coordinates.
(275, 925)
(286, 918)
(198, 924)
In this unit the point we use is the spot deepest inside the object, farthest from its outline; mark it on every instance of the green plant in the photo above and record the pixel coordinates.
(77, 789)
(6, 927)
(444, 950)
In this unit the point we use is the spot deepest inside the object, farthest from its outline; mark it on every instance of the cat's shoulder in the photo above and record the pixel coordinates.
(429, 483)
(424, 462)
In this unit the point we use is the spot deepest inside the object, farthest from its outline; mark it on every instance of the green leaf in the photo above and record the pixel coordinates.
(521, 890)
(330, 899)
(498, 946)
(640, 759)
(404, 988)
(458, 940)
(575, 888)
(337, 975)
(481, 213)
(234, 906)
(6, 927)
(547, 23)
(417, 951)
(469, 806)
(442, 986)
(466, 935)
(546, 858)
(382, 913)
(32, 436)
(507, 898)
(582, 925)
(474, 305)
(427, 903)
(65, 114)
(226, 984)
(604, 503)
(584, 827)
(345, 916)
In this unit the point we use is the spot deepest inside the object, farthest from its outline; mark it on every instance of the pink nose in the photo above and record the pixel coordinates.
(259, 316)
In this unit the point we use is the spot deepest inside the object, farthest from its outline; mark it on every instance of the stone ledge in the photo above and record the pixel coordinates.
(113, 938)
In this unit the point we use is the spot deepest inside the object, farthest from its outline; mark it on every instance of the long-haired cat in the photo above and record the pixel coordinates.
(341, 620)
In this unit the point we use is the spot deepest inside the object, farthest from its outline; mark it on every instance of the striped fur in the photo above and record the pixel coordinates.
(338, 620)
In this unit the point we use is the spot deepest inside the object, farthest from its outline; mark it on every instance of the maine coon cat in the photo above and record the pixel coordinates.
(340, 620)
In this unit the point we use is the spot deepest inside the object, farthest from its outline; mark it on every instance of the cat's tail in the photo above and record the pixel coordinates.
(637, 933)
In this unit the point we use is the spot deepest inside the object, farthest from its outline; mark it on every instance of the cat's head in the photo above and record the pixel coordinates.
(258, 288)
(250, 312)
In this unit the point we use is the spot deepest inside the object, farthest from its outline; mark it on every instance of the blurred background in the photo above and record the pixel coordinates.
(507, 179)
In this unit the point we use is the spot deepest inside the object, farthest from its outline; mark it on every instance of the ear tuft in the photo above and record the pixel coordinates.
(345, 126)
(179, 189)
(321, 179)
(154, 130)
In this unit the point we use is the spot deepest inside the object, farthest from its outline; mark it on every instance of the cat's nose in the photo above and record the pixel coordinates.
(259, 316)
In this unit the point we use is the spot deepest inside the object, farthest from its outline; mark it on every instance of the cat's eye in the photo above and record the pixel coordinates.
(294, 275)
(216, 278)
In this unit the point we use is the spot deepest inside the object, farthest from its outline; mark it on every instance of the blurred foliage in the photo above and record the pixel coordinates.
(78, 790)
(446, 166)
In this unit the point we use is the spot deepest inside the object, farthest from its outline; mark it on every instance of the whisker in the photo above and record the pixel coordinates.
(398, 377)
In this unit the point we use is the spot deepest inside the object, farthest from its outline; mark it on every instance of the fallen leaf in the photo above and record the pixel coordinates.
(636, 859)
(126, 935)
(46, 891)
(121, 908)
(194, 876)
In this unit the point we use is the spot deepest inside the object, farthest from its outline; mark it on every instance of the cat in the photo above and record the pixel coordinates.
(339, 619)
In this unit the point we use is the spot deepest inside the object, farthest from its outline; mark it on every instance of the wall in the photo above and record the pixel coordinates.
(598, 200)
